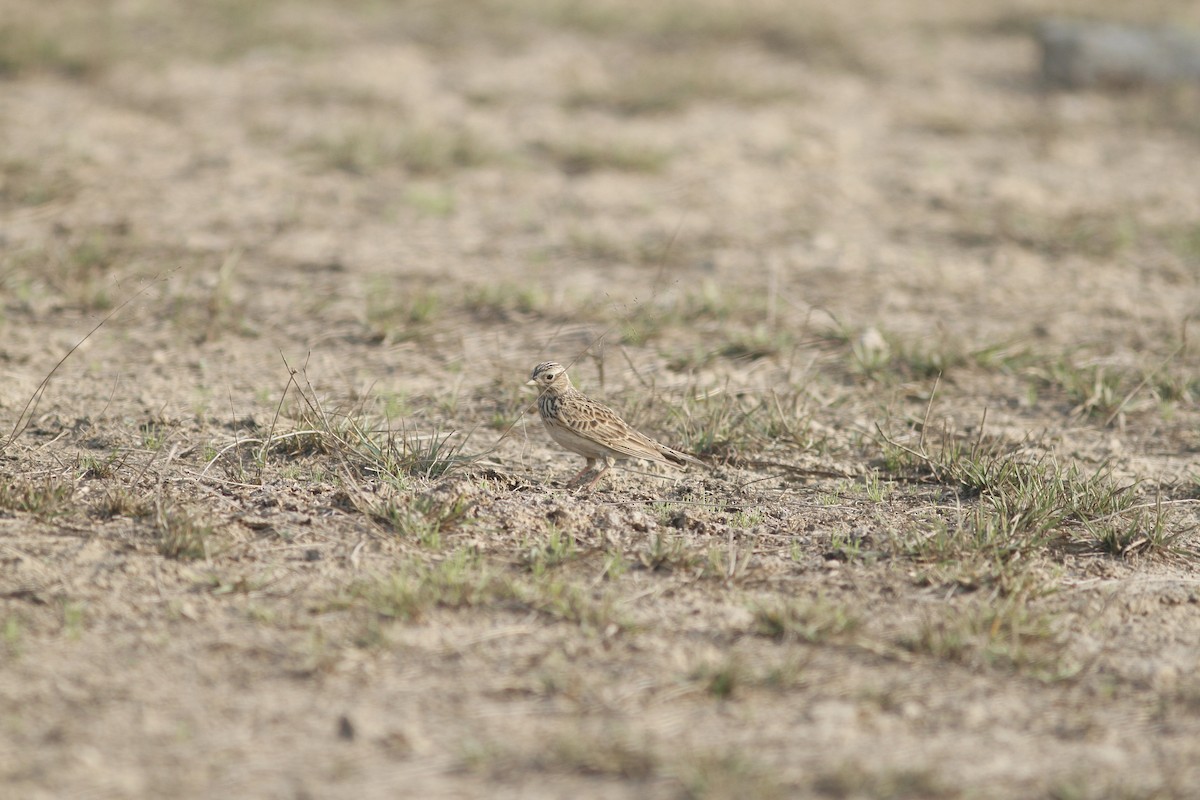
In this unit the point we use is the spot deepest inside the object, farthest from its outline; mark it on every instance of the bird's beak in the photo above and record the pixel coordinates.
(531, 382)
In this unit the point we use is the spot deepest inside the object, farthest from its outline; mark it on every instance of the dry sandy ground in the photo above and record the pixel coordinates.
(281, 526)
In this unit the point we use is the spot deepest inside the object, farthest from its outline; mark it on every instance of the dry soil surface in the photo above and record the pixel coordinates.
(281, 525)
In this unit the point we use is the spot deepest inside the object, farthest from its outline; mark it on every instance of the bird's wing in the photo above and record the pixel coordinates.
(601, 424)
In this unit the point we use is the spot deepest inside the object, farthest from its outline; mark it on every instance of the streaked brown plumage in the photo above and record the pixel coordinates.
(592, 429)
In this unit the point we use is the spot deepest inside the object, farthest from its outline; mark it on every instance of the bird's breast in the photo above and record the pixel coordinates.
(548, 406)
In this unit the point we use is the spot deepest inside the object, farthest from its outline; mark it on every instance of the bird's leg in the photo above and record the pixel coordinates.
(578, 477)
(608, 462)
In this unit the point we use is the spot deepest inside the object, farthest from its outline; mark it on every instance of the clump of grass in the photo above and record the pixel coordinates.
(568, 602)
(730, 428)
(1029, 504)
(461, 580)
(1184, 241)
(729, 675)
(1008, 634)
(1106, 392)
(180, 534)
(1097, 235)
(582, 156)
(1095, 391)
(11, 633)
(154, 433)
(802, 620)
(755, 343)
(378, 449)
(81, 40)
(45, 497)
(727, 774)
(667, 85)
(1172, 386)
(598, 245)
(370, 148)
(858, 780)
(917, 360)
(671, 26)
(363, 445)
(24, 183)
(222, 311)
(730, 561)
(94, 468)
(464, 580)
(422, 519)
(717, 427)
(81, 268)
(404, 317)
(667, 554)
(427, 455)
(886, 356)
(658, 248)
(1139, 529)
(723, 678)
(609, 755)
(120, 501)
(545, 553)
(711, 301)
(502, 299)
(33, 45)
(430, 200)
(973, 553)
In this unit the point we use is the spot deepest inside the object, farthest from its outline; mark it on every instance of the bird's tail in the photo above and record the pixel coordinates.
(678, 458)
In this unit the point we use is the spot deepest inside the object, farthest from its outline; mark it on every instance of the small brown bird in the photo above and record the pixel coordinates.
(592, 429)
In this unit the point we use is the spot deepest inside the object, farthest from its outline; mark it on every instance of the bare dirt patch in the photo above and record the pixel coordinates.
(282, 526)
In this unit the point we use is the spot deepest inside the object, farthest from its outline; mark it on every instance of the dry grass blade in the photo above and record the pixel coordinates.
(30, 407)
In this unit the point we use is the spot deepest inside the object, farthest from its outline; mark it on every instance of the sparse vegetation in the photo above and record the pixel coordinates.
(421, 519)
(400, 316)
(548, 552)
(364, 445)
(463, 580)
(25, 184)
(504, 298)
(119, 501)
(713, 775)
(180, 534)
(808, 621)
(855, 780)
(1029, 504)
(665, 85)
(43, 497)
(583, 156)
(370, 148)
(275, 511)
(1007, 635)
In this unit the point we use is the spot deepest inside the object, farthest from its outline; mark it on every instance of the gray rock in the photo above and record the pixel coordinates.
(1078, 55)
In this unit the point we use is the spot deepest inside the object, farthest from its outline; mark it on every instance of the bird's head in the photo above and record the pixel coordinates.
(549, 376)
